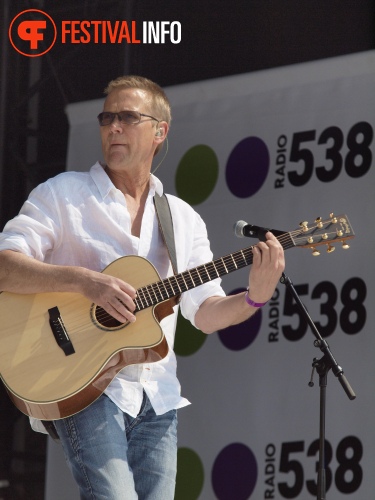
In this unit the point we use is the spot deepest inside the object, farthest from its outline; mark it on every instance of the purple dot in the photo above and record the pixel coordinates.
(247, 167)
(239, 337)
(234, 473)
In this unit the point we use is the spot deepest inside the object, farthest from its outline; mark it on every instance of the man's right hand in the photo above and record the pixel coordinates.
(115, 296)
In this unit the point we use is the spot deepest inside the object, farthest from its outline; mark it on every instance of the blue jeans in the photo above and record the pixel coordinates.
(117, 457)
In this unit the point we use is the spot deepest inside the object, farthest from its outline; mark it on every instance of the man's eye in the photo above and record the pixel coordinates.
(129, 116)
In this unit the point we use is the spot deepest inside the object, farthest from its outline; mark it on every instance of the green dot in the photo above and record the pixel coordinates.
(188, 339)
(190, 475)
(197, 174)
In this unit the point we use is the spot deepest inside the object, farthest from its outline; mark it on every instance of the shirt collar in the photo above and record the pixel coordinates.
(155, 185)
(105, 185)
(101, 179)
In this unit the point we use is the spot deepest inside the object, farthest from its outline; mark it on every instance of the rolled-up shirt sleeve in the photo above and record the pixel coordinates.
(36, 230)
(200, 254)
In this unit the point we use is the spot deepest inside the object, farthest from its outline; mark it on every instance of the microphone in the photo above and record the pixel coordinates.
(242, 229)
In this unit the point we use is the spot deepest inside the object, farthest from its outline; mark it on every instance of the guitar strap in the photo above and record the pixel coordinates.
(164, 216)
(51, 429)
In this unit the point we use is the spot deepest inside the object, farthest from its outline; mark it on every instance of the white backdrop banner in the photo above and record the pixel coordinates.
(273, 148)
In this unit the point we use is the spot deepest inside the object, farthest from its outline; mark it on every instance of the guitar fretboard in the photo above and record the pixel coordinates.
(155, 293)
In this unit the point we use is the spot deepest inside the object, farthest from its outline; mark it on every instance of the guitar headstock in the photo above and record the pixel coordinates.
(336, 229)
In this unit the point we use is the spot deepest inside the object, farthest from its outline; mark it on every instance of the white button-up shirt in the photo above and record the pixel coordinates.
(81, 219)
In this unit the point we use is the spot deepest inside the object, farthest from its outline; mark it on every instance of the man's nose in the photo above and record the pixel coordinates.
(116, 124)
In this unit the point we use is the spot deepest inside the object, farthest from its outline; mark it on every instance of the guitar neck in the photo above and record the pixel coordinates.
(155, 293)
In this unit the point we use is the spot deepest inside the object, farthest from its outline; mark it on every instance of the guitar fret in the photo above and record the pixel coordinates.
(212, 273)
(155, 298)
(188, 274)
(225, 267)
(181, 283)
(149, 297)
(229, 263)
(184, 282)
(243, 256)
(139, 299)
(171, 285)
(238, 260)
(174, 279)
(163, 295)
(199, 275)
(205, 269)
(217, 272)
(168, 288)
(234, 262)
(160, 292)
(165, 289)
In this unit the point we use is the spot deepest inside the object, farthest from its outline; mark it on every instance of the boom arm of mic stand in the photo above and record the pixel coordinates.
(320, 342)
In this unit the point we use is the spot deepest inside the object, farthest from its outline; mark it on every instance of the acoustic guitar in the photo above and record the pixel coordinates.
(59, 352)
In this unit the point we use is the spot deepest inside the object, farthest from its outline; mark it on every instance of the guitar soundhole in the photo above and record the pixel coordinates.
(104, 320)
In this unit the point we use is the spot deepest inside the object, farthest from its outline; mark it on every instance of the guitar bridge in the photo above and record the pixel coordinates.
(59, 331)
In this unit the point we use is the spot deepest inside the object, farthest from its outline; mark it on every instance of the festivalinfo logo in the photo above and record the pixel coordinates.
(33, 32)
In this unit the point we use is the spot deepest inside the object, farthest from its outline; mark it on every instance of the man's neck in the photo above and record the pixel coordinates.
(135, 189)
(134, 186)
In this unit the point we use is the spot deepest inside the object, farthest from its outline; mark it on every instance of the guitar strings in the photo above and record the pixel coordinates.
(151, 294)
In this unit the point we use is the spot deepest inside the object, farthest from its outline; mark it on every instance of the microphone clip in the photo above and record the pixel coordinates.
(243, 229)
(261, 233)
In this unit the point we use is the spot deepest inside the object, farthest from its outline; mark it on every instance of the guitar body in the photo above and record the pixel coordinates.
(46, 383)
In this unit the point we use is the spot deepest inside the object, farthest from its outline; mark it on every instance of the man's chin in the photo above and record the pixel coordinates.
(116, 159)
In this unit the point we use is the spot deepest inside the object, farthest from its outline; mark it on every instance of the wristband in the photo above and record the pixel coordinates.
(252, 303)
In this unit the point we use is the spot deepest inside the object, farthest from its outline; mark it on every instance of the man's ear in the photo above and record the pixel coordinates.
(161, 131)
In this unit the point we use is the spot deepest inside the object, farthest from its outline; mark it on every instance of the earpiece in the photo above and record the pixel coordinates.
(159, 132)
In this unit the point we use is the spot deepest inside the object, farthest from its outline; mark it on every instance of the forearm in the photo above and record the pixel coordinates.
(22, 274)
(217, 313)
(220, 312)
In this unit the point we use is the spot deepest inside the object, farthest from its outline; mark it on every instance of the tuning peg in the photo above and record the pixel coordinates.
(345, 246)
(304, 226)
(330, 248)
(315, 252)
(319, 222)
(333, 218)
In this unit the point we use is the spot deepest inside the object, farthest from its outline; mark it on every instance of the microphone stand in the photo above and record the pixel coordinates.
(322, 367)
